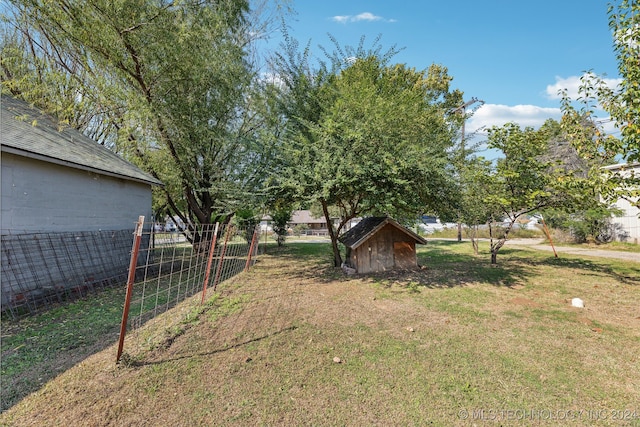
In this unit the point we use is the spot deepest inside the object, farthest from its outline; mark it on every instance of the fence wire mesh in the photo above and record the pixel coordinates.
(40, 270)
(173, 267)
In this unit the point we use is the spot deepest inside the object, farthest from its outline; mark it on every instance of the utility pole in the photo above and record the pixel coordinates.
(463, 108)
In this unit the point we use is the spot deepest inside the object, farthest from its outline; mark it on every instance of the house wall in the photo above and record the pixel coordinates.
(389, 248)
(64, 230)
(40, 196)
(629, 220)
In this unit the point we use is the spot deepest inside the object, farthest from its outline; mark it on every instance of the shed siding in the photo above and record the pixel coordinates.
(40, 196)
(387, 249)
(405, 254)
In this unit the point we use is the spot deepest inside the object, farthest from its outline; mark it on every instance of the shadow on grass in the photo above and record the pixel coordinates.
(445, 267)
(446, 264)
(37, 349)
(626, 274)
(316, 260)
(300, 250)
(213, 351)
(441, 266)
(451, 266)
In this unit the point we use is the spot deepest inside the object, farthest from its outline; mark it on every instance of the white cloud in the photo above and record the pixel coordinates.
(342, 19)
(364, 16)
(490, 115)
(572, 85)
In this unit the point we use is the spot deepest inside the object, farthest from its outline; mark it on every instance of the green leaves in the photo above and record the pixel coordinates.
(622, 102)
(366, 137)
(533, 175)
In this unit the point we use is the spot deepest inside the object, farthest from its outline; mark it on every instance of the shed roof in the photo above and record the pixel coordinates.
(366, 228)
(28, 132)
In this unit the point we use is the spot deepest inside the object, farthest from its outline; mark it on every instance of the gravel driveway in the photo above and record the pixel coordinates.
(544, 246)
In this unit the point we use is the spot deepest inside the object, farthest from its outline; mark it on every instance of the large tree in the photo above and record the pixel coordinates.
(167, 84)
(592, 219)
(586, 134)
(367, 137)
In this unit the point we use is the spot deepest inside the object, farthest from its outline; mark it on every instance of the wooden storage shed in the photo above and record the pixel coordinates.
(378, 244)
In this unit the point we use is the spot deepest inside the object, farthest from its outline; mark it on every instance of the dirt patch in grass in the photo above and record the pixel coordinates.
(293, 342)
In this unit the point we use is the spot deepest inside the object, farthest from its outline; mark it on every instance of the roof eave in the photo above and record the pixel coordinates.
(41, 157)
(416, 237)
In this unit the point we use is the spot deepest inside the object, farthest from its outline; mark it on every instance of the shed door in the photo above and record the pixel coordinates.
(404, 254)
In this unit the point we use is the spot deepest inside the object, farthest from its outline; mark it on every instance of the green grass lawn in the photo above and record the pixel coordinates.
(295, 342)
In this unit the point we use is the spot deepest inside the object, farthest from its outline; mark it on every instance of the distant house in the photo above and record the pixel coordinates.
(379, 244)
(68, 205)
(305, 221)
(629, 220)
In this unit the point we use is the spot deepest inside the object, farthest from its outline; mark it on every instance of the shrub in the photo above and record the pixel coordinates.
(591, 225)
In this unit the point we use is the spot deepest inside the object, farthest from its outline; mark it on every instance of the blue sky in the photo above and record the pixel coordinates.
(514, 55)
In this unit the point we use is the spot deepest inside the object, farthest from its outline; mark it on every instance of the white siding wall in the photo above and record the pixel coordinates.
(629, 220)
(39, 196)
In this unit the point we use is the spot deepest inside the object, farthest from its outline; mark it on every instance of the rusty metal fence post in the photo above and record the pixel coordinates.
(224, 248)
(131, 279)
(546, 231)
(209, 261)
(253, 243)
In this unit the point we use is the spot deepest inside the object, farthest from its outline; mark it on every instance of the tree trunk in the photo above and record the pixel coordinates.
(495, 247)
(495, 244)
(337, 258)
(474, 239)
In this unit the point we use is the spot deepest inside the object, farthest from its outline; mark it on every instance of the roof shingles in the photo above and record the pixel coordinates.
(27, 131)
(361, 232)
